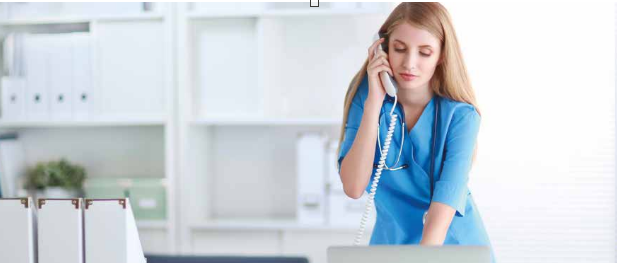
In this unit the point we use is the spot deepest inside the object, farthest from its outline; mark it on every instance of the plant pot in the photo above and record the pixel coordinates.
(57, 192)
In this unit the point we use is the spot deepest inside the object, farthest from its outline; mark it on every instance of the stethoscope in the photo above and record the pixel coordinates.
(404, 166)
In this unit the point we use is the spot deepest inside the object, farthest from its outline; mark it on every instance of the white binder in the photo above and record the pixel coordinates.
(13, 98)
(37, 76)
(18, 238)
(60, 76)
(60, 231)
(82, 95)
(311, 180)
(12, 167)
(111, 232)
(334, 179)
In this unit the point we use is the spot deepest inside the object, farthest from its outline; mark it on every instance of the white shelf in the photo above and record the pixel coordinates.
(283, 224)
(82, 123)
(152, 224)
(266, 121)
(78, 19)
(285, 13)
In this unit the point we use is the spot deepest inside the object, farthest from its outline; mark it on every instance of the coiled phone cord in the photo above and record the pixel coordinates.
(382, 160)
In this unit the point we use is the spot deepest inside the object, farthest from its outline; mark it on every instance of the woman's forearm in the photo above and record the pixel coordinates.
(437, 224)
(357, 166)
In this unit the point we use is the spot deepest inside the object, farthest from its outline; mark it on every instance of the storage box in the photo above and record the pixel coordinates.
(147, 195)
(102, 188)
(148, 199)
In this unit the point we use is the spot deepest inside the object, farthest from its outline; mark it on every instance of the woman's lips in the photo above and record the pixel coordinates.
(408, 77)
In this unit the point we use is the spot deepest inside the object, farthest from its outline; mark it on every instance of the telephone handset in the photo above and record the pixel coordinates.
(389, 85)
(388, 82)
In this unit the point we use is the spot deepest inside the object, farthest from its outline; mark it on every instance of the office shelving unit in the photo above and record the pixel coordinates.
(238, 85)
(121, 137)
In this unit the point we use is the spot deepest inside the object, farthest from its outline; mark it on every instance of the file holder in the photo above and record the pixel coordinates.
(18, 231)
(310, 158)
(60, 230)
(110, 232)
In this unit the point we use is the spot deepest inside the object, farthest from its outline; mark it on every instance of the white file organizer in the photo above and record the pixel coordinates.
(111, 232)
(311, 180)
(60, 231)
(18, 233)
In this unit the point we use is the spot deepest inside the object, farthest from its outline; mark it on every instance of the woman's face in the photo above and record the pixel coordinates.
(413, 55)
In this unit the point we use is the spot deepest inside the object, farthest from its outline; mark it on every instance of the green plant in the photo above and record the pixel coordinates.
(55, 174)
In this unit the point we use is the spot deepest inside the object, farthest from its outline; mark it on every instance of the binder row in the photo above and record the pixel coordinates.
(68, 231)
(50, 76)
(321, 199)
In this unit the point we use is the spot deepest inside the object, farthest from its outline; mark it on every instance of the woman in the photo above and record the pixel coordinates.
(437, 109)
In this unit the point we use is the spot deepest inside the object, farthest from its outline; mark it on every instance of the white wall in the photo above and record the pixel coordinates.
(545, 175)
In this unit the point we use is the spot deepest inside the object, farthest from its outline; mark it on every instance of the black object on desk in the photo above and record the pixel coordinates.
(223, 259)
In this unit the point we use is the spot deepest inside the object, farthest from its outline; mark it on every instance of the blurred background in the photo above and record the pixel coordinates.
(221, 121)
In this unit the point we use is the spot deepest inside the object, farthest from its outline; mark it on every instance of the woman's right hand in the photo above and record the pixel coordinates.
(378, 62)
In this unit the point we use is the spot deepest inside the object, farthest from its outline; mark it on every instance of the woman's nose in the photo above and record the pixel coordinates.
(410, 61)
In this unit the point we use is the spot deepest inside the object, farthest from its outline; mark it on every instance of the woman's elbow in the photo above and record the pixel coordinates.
(353, 192)
(354, 195)
(350, 188)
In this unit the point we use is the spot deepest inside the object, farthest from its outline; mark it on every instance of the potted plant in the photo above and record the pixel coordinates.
(56, 179)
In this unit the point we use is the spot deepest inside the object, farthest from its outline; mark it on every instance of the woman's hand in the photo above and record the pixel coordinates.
(378, 62)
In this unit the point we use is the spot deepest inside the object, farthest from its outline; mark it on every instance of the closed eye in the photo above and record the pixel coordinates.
(403, 51)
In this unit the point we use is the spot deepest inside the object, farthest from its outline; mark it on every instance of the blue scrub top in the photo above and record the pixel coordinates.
(403, 195)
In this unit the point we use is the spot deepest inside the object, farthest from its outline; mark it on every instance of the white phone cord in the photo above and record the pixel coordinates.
(382, 161)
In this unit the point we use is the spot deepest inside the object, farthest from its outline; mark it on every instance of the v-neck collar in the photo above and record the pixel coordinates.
(429, 107)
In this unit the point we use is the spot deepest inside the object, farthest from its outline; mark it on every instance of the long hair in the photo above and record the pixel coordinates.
(450, 79)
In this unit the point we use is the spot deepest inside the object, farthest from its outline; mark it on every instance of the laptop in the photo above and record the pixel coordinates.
(409, 253)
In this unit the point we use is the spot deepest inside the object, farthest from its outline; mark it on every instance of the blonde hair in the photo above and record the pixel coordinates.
(450, 79)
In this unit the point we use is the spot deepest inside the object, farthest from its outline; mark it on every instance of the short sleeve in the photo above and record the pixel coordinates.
(451, 188)
(354, 118)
